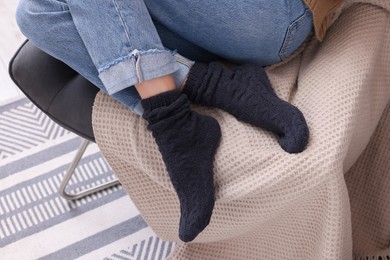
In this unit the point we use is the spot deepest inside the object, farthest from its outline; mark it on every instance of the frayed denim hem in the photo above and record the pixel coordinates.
(138, 66)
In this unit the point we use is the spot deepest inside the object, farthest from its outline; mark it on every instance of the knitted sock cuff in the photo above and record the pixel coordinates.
(195, 77)
(160, 100)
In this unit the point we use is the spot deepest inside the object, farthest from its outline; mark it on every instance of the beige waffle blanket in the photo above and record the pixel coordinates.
(331, 201)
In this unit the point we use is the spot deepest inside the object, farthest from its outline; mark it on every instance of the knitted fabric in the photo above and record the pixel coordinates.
(187, 142)
(271, 204)
(246, 93)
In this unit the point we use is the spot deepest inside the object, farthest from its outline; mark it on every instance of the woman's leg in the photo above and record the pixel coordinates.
(74, 33)
(49, 25)
(122, 41)
(246, 93)
(258, 32)
(62, 41)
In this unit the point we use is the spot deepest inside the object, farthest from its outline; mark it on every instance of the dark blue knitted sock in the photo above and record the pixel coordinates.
(246, 93)
(187, 142)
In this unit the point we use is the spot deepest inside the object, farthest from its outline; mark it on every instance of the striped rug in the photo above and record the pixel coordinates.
(36, 223)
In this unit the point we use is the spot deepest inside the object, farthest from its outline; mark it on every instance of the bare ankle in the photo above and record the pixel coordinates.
(153, 87)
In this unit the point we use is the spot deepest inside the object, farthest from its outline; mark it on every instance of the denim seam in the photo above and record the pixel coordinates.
(133, 79)
(290, 32)
(157, 69)
(114, 62)
(123, 23)
(132, 55)
(184, 61)
(64, 6)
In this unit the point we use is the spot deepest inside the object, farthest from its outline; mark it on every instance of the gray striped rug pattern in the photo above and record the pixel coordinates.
(35, 222)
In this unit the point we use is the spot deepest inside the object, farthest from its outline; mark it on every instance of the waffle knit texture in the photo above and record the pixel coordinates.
(187, 142)
(329, 202)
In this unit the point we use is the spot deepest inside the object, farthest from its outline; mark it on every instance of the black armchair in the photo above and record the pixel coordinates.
(62, 94)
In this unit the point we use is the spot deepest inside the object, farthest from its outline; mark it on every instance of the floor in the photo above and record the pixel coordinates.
(10, 40)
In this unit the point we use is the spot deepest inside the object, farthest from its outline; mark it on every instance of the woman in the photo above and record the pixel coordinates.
(125, 48)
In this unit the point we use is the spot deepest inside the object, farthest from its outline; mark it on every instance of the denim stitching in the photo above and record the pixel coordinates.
(138, 70)
(114, 88)
(128, 57)
(64, 6)
(116, 61)
(151, 71)
(289, 35)
(123, 23)
(180, 59)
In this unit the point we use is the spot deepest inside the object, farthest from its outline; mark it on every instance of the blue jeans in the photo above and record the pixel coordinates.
(119, 43)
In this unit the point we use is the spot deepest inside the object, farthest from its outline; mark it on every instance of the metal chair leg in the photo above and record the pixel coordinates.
(69, 173)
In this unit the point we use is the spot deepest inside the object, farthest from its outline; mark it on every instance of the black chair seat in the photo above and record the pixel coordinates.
(60, 92)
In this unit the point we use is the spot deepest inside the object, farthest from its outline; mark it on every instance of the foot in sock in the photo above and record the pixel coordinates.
(187, 142)
(246, 93)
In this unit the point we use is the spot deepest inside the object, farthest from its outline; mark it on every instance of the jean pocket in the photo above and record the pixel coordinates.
(296, 34)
